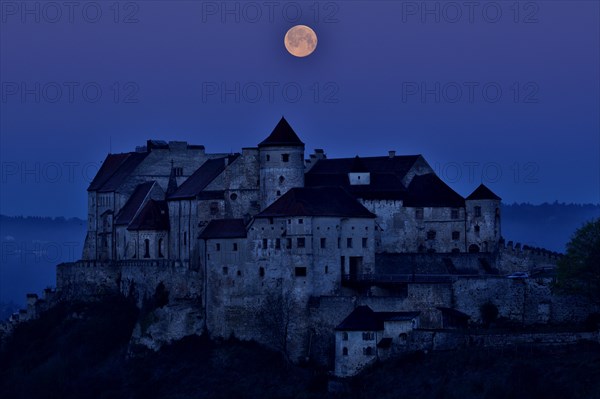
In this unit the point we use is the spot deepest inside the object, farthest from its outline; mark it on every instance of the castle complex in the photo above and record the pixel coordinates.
(332, 260)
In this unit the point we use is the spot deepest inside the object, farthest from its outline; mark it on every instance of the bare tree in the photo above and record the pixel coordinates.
(274, 317)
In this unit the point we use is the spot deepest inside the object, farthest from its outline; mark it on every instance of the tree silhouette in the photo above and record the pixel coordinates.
(579, 269)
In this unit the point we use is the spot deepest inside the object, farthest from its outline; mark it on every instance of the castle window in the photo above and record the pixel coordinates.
(289, 221)
(300, 221)
(281, 179)
(233, 196)
(265, 243)
(268, 157)
(344, 336)
(278, 193)
(326, 269)
(454, 213)
(225, 270)
(323, 242)
(301, 242)
(368, 336)
(214, 208)
(185, 238)
(218, 247)
(277, 243)
(477, 210)
(239, 273)
(339, 242)
(288, 243)
(419, 213)
(456, 235)
(344, 351)
(300, 272)
(285, 157)
(160, 244)
(178, 171)
(261, 271)
(477, 229)
(368, 351)
(235, 246)
(349, 242)
(365, 241)
(270, 220)
(146, 248)
(431, 235)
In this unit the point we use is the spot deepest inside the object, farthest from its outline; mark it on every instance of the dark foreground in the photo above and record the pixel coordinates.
(79, 351)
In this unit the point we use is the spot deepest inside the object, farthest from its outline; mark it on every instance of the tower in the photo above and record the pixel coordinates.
(281, 160)
(483, 220)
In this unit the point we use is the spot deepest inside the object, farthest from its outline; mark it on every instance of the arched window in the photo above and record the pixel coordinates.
(344, 351)
(160, 245)
(473, 248)
(146, 248)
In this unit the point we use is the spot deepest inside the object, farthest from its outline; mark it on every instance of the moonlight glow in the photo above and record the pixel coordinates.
(300, 41)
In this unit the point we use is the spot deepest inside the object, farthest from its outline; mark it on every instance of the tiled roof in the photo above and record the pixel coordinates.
(363, 318)
(153, 216)
(109, 167)
(202, 177)
(398, 165)
(483, 193)
(282, 135)
(429, 190)
(316, 201)
(122, 172)
(224, 228)
(133, 204)
(386, 174)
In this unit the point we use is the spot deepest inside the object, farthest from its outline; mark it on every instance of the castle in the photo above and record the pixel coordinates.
(331, 260)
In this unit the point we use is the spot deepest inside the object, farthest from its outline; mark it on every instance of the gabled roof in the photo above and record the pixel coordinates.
(429, 190)
(282, 135)
(386, 174)
(363, 318)
(133, 204)
(202, 177)
(109, 167)
(483, 193)
(153, 216)
(224, 228)
(316, 201)
(123, 171)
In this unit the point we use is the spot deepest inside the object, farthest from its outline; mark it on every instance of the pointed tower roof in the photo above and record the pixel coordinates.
(358, 166)
(282, 135)
(172, 186)
(483, 193)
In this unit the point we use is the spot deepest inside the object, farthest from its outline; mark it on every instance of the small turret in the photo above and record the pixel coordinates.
(281, 159)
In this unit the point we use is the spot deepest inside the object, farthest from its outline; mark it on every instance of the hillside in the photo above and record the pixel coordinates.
(79, 350)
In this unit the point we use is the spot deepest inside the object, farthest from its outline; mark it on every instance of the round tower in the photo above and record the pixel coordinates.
(281, 160)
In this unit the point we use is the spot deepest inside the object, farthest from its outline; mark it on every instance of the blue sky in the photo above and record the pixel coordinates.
(503, 93)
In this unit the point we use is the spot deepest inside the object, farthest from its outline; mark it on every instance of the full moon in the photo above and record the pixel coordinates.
(300, 41)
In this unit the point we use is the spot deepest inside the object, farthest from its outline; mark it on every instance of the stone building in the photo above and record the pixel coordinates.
(237, 237)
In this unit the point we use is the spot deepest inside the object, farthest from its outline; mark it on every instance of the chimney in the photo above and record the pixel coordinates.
(392, 153)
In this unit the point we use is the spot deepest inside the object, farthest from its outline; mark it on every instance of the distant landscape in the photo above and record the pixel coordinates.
(32, 246)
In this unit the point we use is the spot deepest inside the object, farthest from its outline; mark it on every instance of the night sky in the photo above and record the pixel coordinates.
(503, 93)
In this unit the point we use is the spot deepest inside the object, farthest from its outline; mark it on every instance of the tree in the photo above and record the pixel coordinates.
(275, 317)
(579, 269)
